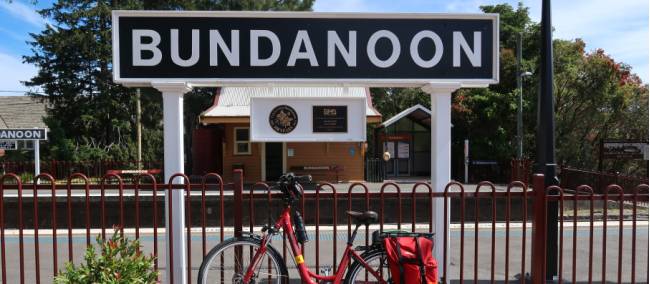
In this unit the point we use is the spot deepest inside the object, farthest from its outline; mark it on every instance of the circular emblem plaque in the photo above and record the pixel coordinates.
(283, 119)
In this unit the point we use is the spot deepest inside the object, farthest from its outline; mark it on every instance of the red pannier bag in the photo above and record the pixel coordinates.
(410, 258)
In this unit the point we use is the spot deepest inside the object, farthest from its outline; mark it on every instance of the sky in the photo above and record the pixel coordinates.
(620, 27)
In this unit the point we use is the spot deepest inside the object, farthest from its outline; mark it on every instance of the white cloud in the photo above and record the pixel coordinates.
(12, 72)
(24, 13)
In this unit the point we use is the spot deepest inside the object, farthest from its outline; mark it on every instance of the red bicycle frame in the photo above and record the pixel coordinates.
(284, 222)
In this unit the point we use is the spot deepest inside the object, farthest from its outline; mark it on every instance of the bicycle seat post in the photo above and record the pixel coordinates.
(354, 234)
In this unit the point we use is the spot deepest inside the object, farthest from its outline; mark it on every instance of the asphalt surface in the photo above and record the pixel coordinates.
(482, 264)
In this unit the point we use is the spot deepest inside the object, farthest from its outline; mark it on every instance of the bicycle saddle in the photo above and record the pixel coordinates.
(365, 218)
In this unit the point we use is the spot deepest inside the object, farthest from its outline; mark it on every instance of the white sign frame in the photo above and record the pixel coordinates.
(261, 131)
(362, 82)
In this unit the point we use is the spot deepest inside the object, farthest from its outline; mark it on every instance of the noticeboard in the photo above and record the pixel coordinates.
(8, 144)
(330, 119)
(624, 149)
(291, 119)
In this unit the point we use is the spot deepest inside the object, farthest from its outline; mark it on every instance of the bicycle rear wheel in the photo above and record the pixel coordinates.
(377, 261)
(229, 261)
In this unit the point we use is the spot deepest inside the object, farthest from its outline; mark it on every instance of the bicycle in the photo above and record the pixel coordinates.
(251, 258)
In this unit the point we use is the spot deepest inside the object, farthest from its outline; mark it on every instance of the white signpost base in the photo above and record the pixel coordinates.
(174, 163)
(440, 159)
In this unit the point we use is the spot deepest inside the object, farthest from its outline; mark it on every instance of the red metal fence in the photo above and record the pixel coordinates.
(63, 169)
(494, 232)
(572, 178)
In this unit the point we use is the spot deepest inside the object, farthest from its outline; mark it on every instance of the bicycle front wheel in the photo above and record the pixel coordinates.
(229, 261)
(377, 261)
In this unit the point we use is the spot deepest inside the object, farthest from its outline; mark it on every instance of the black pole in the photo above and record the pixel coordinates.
(546, 137)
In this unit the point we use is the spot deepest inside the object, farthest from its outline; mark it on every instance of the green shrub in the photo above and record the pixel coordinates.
(120, 261)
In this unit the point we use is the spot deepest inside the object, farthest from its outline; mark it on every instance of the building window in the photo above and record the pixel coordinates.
(26, 144)
(242, 142)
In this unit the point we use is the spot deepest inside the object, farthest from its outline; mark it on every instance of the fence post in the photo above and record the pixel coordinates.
(538, 253)
(238, 189)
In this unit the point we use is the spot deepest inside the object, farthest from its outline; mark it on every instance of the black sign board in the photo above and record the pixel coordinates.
(23, 134)
(624, 149)
(8, 144)
(285, 47)
(330, 119)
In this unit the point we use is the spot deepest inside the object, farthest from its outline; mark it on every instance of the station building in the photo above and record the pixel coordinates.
(226, 138)
(406, 137)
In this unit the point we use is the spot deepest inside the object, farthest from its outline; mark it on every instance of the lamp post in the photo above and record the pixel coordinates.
(520, 120)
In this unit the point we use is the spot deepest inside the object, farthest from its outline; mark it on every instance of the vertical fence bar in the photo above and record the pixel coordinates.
(381, 205)
(621, 206)
(188, 226)
(238, 188)
(494, 225)
(203, 217)
(550, 190)
(446, 197)
(635, 197)
(69, 205)
(538, 256)
(591, 234)
(54, 227)
(524, 231)
(154, 196)
(170, 207)
(136, 194)
(37, 258)
(3, 256)
(87, 201)
(413, 204)
(102, 205)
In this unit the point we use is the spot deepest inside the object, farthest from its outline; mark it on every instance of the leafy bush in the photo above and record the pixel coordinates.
(120, 261)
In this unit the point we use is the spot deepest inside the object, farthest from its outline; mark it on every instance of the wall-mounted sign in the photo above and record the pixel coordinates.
(624, 149)
(330, 119)
(220, 48)
(23, 134)
(394, 137)
(9, 144)
(403, 150)
(283, 119)
(268, 115)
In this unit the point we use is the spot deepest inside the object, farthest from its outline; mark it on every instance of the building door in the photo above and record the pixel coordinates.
(400, 158)
(273, 156)
(403, 158)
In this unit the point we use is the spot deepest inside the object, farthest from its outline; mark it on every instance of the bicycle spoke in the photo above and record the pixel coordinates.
(231, 262)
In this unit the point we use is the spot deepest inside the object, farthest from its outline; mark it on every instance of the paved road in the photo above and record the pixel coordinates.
(326, 253)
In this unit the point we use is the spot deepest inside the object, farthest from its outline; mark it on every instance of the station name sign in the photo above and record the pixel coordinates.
(23, 134)
(288, 47)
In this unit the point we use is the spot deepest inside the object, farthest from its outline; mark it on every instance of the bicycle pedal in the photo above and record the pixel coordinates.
(325, 271)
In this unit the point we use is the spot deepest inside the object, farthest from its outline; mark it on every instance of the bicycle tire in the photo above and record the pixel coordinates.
(368, 257)
(270, 252)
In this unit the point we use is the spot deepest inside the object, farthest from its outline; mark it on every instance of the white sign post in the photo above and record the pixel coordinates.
(171, 50)
(26, 134)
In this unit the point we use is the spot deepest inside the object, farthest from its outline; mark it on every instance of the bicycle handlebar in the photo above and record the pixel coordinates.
(288, 184)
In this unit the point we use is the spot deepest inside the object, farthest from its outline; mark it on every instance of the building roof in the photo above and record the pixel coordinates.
(21, 112)
(232, 104)
(417, 113)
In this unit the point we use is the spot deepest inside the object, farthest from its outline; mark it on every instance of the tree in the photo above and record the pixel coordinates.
(596, 98)
(91, 116)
